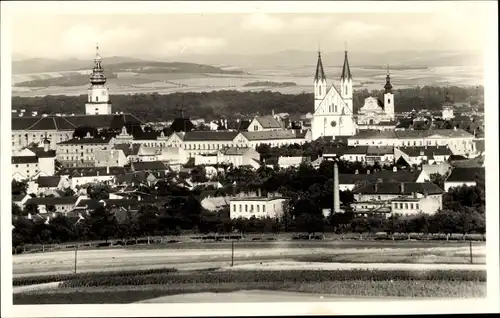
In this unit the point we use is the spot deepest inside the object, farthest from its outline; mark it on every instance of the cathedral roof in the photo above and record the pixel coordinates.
(346, 70)
(320, 73)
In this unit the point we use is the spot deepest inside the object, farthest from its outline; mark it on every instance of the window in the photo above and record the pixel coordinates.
(406, 206)
(96, 99)
(395, 205)
(255, 128)
(258, 208)
(389, 101)
(411, 206)
(264, 208)
(246, 208)
(234, 207)
(17, 166)
(319, 90)
(416, 206)
(401, 206)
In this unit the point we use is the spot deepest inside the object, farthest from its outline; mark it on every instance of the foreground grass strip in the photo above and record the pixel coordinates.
(128, 294)
(24, 281)
(273, 276)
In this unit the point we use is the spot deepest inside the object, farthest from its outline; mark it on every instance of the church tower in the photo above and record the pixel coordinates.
(346, 84)
(388, 96)
(98, 94)
(319, 83)
(447, 111)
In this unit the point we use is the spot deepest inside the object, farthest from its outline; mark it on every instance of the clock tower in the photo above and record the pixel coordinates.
(98, 102)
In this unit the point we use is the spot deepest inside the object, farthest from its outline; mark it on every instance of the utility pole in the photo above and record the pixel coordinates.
(232, 253)
(470, 250)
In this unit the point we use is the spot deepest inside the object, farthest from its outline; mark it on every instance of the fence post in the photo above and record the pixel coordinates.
(470, 250)
(76, 251)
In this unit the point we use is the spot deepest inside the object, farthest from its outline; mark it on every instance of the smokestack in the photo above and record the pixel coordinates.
(336, 196)
(402, 186)
(259, 193)
(107, 170)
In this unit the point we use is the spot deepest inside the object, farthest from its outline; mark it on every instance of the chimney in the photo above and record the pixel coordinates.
(336, 196)
(97, 172)
(107, 169)
(259, 192)
(376, 187)
(46, 145)
(395, 169)
(402, 186)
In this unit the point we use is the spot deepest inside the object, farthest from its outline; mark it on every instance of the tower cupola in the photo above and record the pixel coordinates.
(388, 85)
(97, 77)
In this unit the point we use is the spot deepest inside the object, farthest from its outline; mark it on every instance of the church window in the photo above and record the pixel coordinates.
(319, 89)
(389, 101)
(97, 98)
(346, 90)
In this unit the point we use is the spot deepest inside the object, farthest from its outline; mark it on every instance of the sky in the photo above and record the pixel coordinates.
(456, 26)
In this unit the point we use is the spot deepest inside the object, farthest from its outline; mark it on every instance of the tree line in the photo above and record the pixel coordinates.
(234, 104)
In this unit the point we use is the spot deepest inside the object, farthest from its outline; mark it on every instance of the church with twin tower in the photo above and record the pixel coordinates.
(333, 110)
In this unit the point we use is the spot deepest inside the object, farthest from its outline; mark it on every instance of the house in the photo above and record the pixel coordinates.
(236, 156)
(442, 168)
(463, 176)
(458, 141)
(379, 154)
(417, 155)
(149, 166)
(29, 163)
(81, 176)
(55, 204)
(215, 204)
(258, 207)
(80, 152)
(406, 198)
(264, 123)
(286, 162)
(130, 151)
(354, 154)
(44, 184)
(351, 181)
(110, 158)
(20, 200)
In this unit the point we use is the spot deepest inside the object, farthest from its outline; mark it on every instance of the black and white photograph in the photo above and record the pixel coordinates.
(279, 154)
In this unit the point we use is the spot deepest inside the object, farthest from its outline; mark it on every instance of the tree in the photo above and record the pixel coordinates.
(308, 216)
(19, 187)
(102, 223)
(148, 220)
(437, 179)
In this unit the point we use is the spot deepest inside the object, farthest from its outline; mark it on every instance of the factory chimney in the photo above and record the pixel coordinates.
(336, 197)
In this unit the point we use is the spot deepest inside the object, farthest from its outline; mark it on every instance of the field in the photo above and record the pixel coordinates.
(130, 83)
(258, 271)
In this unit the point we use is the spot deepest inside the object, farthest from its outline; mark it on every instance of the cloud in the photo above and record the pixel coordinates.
(81, 39)
(358, 29)
(262, 22)
(194, 45)
(310, 23)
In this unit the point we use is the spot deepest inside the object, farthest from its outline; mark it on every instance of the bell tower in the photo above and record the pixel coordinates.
(319, 83)
(98, 102)
(388, 96)
(346, 83)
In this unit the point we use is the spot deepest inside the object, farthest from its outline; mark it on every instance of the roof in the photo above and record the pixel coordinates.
(395, 188)
(48, 181)
(385, 176)
(24, 159)
(53, 200)
(111, 121)
(149, 165)
(379, 150)
(92, 140)
(18, 197)
(358, 150)
(291, 160)
(265, 199)
(429, 151)
(410, 134)
(346, 70)
(236, 151)
(268, 122)
(128, 149)
(320, 72)
(41, 153)
(91, 171)
(182, 124)
(217, 201)
(270, 135)
(440, 168)
(210, 135)
(465, 174)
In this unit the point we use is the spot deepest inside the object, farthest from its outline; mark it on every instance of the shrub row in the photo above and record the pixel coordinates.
(32, 280)
(273, 276)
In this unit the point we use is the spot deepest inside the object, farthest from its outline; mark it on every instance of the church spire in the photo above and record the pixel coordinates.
(97, 77)
(346, 71)
(320, 73)
(388, 85)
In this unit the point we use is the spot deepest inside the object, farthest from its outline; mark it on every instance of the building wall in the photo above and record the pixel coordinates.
(79, 154)
(24, 171)
(23, 138)
(431, 203)
(109, 158)
(354, 157)
(256, 126)
(78, 181)
(259, 208)
(47, 166)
